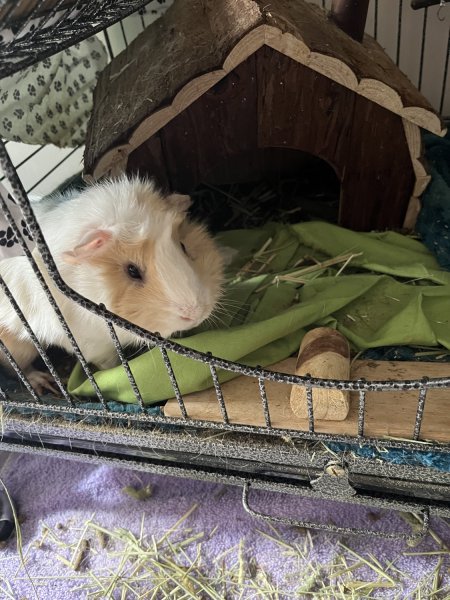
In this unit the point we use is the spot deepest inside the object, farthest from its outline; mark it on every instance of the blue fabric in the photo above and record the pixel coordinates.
(436, 460)
(433, 222)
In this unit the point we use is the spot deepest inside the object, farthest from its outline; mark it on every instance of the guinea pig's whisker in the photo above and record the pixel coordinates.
(229, 309)
(221, 315)
(137, 351)
(229, 301)
(226, 305)
(224, 313)
(224, 310)
(224, 302)
(214, 321)
(218, 317)
(232, 304)
(228, 298)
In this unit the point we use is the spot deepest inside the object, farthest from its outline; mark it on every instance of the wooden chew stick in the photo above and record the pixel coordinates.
(324, 353)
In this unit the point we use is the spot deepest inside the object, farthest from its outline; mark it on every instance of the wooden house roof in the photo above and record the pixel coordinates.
(198, 42)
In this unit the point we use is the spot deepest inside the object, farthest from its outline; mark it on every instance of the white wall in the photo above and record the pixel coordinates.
(396, 19)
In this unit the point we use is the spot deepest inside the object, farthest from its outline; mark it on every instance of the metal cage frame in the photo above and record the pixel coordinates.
(57, 27)
(289, 461)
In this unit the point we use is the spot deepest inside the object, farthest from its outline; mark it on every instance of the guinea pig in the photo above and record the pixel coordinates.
(125, 245)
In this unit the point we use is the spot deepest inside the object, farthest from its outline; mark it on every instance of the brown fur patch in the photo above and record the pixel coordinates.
(145, 302)
(205, 254)
(139, 301)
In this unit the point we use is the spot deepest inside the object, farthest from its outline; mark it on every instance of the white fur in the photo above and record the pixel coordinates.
(114, 207)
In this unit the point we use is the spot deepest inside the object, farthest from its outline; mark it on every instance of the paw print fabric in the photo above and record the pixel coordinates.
(51, 102)
(9, 243)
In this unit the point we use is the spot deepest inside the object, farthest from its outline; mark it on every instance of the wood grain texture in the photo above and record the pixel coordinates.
(318, 341)
(412, 213)
(202, 144)
(387, 413)
(219, 126)
(324, 353)
(149, 158)
(346, 130)
(190, 39)
(315, 119)
(376, 189)
(232, 132)
(367, 60)
(414, 141)
(198, 37)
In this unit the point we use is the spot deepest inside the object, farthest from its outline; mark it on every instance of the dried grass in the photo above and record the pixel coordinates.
(171, 565)
(174, 565)
(301, 276)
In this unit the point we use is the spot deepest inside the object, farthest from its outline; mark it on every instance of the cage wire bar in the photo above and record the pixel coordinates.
(310, 407)
(265, 403)
(36, 342)
(214, 363)
(421, 509)
(57, 26)
(124, 361)
(16, 183)
(361, 412)
(55, 30)
(409, 537)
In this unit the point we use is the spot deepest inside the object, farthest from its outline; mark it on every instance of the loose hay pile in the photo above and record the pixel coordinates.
(313, 194)
(174, 565)
(83, 536)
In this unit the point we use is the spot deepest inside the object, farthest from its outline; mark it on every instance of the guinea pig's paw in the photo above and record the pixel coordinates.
(42, 382)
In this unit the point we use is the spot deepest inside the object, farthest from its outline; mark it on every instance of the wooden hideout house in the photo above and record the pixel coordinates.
(224, 91)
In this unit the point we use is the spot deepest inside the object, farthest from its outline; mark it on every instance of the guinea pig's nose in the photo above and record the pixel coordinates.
(188, 313)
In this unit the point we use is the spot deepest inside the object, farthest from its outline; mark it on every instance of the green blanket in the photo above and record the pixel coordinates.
(391, 292)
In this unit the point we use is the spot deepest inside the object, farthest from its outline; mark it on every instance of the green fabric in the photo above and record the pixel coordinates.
(263, 322)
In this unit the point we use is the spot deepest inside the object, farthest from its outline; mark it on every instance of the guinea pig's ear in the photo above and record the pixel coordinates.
(179, 202)
(91, 245)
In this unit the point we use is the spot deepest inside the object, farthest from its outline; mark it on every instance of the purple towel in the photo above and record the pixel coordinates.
(66, 492)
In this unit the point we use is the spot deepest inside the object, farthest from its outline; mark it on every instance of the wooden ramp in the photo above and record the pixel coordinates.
(387, 413)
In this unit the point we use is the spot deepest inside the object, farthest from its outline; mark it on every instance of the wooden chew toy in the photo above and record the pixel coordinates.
(324, 353)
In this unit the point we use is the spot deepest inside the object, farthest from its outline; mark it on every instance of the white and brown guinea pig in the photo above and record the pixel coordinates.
(119, 243)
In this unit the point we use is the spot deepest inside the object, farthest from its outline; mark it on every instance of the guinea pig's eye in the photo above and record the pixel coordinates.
(183, 247)
(133, 271)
